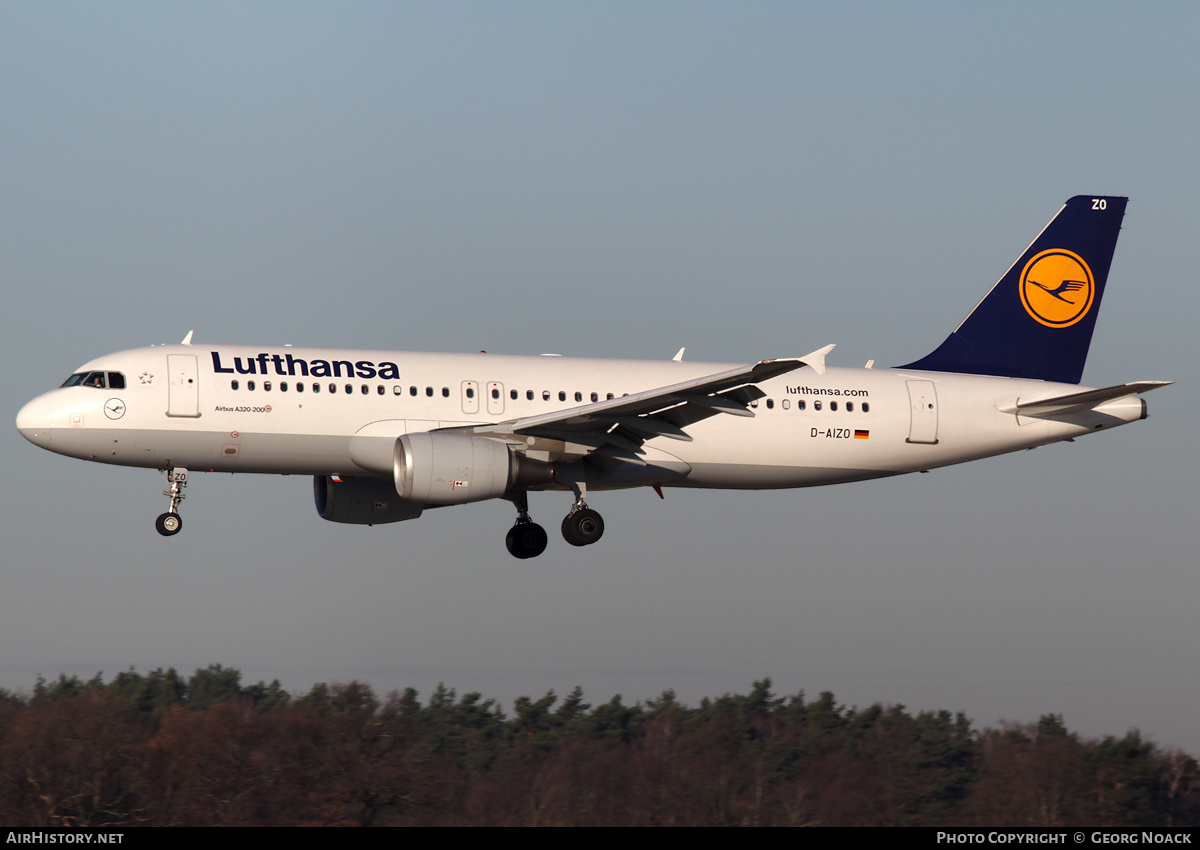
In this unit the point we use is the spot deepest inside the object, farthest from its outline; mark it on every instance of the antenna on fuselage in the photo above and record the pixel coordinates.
(187, 340)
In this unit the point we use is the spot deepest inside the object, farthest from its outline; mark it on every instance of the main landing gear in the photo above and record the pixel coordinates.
(582, 526)
(526, 539)
(171, 522)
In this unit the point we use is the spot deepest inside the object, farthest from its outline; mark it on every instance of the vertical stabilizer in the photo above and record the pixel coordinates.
(1037, 321)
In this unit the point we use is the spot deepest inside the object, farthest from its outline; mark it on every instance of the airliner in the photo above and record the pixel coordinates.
(386, 435)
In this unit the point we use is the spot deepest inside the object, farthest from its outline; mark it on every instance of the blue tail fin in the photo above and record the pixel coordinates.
(1037, 321)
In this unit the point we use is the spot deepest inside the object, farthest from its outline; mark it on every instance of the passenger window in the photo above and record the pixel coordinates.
(578, 396)
(316, 387)
(833, 405)
(397, 390)
(817, 404)
(770, 404)
(866, 407)
(513, 394)
(595, 396)
(366, 390)
(609, 396)
(445, 392)
(412, 391)
(429, 392)
(849, 407)
(250, 385)
(233, 385)
(785, 404)
(381, 389)
(545, 395)
(283, 386)
(801, 404)
(299, 387)
(349, 389)
(496, 393)
(470, 392)
(332, 388)
(562, 396)
(266, 386)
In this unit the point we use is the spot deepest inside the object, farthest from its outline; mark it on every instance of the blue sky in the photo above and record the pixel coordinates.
(616, 179)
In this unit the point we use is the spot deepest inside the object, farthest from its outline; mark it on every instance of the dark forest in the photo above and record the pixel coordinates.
(159, 749)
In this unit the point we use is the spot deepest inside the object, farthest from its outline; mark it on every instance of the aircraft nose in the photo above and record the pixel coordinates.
(33, 422)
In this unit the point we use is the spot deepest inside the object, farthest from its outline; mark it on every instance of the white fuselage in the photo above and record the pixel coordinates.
(319, 411)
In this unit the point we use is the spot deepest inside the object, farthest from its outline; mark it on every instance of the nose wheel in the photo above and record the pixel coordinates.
(168, 524)
(171, 522)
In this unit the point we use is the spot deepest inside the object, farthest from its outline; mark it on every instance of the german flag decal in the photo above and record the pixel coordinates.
(860, 434)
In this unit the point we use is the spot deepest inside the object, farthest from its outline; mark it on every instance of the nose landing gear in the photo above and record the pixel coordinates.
(171, 522)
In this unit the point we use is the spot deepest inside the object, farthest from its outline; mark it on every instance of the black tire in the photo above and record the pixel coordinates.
(526, 540)
(583, 527)
(168, 524)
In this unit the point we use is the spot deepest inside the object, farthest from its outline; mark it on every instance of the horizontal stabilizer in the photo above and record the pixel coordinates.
(1084, 400)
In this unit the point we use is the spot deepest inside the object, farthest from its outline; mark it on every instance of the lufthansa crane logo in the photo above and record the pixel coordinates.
(1057, 288)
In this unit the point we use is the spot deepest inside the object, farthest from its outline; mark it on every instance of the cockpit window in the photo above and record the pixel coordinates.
(116, 381)
(90, 379)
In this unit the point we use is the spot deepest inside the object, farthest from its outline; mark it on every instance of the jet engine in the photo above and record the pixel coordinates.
(429, 470)
(452, 469)
(363, 501)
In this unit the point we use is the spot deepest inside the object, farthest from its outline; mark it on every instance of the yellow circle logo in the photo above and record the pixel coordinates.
(1057, 288)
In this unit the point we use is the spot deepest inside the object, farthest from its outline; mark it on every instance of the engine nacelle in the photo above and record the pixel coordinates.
(364, 501)
(451, 469)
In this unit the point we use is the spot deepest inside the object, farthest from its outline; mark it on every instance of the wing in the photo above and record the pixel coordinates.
(618, 427)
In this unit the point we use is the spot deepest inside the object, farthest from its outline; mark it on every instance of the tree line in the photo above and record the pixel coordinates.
(160, 749)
